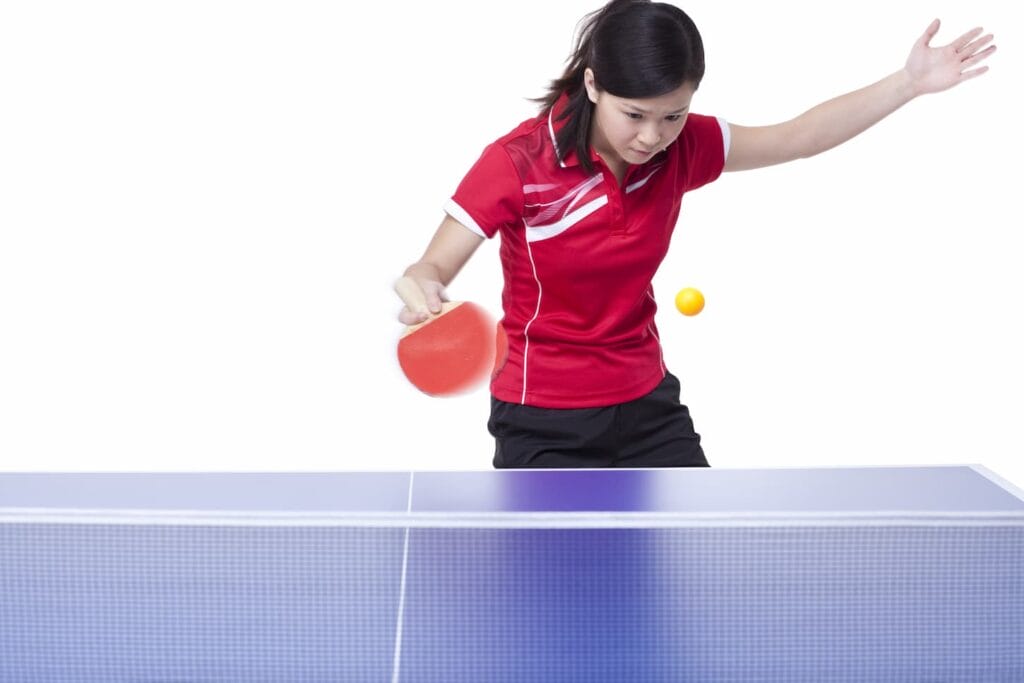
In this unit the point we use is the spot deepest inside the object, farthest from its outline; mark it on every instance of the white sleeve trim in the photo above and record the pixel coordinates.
(459, 214)
(726, 136)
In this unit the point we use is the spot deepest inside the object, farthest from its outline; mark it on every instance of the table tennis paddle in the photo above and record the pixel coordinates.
(450, 353)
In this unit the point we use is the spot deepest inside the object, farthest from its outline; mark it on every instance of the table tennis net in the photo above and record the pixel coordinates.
(251, 603)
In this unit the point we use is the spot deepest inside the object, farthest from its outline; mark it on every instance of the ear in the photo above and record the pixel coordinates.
(590, 83)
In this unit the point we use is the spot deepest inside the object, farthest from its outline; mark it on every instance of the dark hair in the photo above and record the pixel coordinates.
(636, 49)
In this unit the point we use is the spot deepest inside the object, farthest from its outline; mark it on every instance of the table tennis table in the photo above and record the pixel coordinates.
(788, 574)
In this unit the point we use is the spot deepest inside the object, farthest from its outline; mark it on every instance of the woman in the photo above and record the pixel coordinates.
(586, 196)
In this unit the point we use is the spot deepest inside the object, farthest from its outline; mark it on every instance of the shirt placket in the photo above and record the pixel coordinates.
(616, 201)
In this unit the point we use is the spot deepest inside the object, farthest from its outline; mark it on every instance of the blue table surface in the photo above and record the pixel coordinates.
(945, 489)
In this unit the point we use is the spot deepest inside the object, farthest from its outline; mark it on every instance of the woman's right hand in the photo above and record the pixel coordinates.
(422, 298)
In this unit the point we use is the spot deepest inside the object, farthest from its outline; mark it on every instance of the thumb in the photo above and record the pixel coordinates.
(929, 33)
(435, 296)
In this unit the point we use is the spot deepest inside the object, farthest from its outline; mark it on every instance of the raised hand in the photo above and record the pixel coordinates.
(934, 69)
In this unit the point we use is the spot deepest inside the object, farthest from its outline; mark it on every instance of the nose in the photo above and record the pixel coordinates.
(649, 135)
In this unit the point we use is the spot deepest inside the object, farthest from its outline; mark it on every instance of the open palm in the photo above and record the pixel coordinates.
(934, 69)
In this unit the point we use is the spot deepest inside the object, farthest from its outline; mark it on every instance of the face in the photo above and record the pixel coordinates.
(631, 131)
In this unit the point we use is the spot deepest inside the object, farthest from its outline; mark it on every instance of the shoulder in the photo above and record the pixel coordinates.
(701, 127)
(531, 127)
(706, 137)
(529, 147)
(531, 135)
(701, 150)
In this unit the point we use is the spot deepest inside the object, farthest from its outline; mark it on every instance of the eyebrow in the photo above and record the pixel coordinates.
(641, 110)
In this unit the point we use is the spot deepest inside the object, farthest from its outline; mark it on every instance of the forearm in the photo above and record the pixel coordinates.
(834, 122)
(821, 128)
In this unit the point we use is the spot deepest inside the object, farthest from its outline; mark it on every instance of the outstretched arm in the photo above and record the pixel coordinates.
(928, 70)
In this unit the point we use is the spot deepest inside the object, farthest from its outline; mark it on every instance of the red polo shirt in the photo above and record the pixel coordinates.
(579, 252)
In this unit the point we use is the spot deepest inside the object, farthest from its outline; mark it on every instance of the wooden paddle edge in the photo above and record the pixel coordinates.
(446, 307)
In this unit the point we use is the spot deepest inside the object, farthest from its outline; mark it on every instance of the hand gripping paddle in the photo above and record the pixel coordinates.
(453, 351)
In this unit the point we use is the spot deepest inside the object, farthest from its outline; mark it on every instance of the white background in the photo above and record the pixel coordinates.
(203, 206)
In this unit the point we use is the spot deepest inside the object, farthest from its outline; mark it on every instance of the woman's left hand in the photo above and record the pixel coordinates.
(934, 69)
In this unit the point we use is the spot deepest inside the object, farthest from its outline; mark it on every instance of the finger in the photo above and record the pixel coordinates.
(434, 303)
(407, 317)
(929, 33)
(411, 294)
(968, 63)
(967, 75)
(963, 40)
(971, 49)
(434, 296)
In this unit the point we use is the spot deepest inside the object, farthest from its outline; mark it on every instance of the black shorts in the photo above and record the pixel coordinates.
(652, 431)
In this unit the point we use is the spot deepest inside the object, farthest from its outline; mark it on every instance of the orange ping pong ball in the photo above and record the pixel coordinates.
(689, 301)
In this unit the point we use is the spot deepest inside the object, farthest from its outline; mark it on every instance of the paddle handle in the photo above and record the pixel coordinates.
(411, 294)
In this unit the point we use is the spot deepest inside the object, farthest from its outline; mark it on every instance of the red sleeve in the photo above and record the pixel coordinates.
(703, 150)
(491, 194)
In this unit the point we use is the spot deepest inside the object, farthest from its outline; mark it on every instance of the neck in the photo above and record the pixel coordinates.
(618, 167)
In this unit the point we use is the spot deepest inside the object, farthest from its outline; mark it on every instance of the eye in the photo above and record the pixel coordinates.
(674, 117)
(633, 115)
